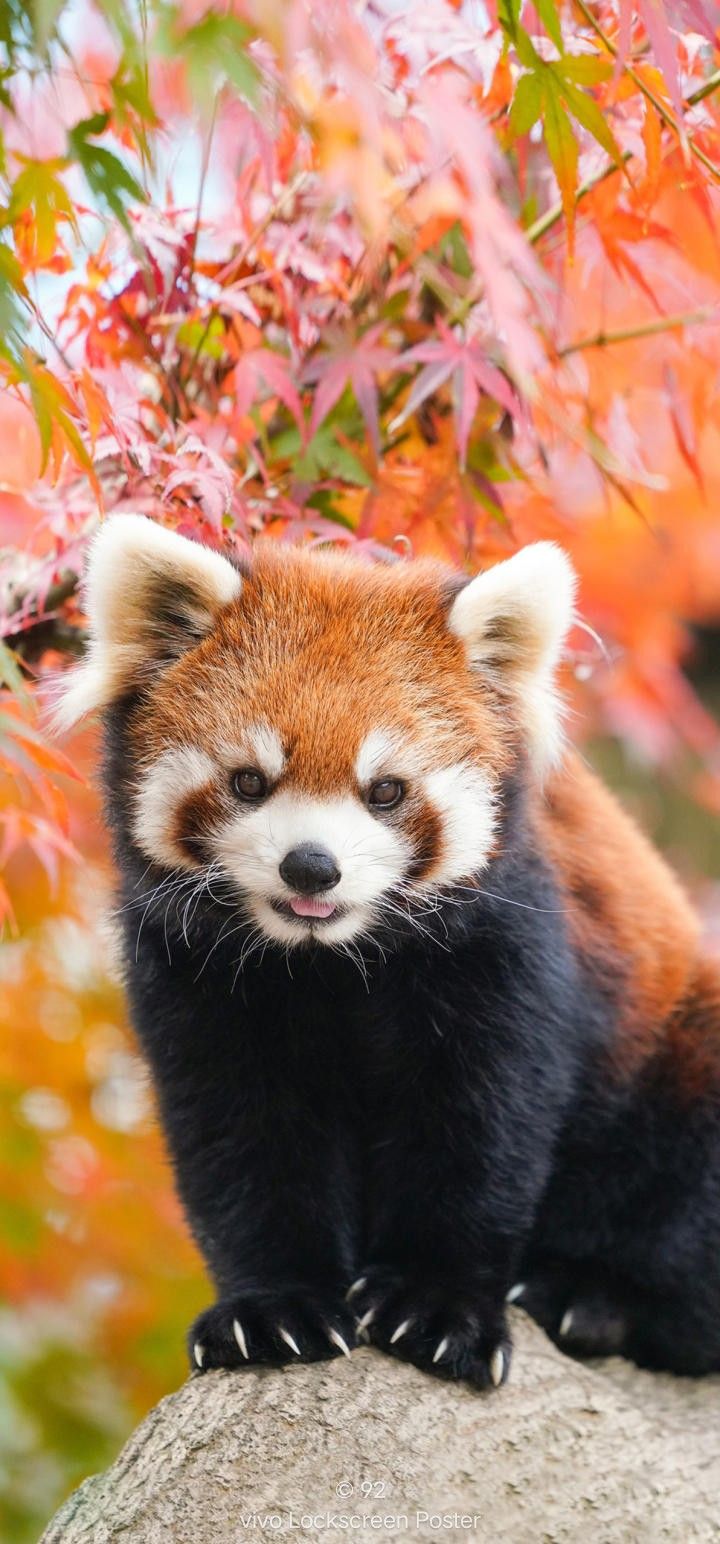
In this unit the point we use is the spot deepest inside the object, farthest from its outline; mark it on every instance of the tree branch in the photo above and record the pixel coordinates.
(642, 330)
(38, 630)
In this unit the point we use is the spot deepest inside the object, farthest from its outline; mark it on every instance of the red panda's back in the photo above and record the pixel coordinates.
(626, 910)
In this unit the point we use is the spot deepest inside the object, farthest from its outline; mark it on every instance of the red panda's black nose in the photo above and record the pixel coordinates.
(307, 869)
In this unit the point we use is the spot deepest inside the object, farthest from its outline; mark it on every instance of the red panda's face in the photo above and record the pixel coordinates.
(318, 732)
(325, 746)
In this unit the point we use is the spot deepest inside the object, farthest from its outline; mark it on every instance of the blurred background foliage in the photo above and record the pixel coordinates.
(434, 278)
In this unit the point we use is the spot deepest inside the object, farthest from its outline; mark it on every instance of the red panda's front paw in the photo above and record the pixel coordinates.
(271, 1327)
(448, 1331)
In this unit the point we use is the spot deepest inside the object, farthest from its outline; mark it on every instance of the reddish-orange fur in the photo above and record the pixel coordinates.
(625, 908)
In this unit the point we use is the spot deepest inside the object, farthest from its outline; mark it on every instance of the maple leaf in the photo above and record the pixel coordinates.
(37, 756)
(355, 362)
(39, 201)
(683, 426)
(23, 827)
(460, 360)
(260, 367)
(551, 90)
(108, 177)
(701, 16)
(206, 473)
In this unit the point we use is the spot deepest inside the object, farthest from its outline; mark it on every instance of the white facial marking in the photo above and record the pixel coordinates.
(464, 799)
(383, 753)
(374, 756)
(170, 779)
(370, 854)
(267, 750)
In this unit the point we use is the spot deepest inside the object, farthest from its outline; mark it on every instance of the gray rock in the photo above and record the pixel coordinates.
(565, 1452)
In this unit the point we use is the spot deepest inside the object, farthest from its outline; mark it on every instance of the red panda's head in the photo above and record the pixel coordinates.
(329, 735)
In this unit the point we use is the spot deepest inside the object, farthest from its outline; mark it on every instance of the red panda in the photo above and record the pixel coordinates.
(428, 1019)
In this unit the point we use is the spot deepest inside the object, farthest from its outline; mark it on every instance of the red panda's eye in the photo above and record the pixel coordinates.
(249, 784)
(386, 794)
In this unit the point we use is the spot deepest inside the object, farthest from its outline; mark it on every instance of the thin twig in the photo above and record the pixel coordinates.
(204, 168)
(706, 90)
(642, 330)
(47, 332)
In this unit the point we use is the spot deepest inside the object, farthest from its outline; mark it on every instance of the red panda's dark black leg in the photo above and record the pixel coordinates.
(271, 1326)
(675, 1334)
(585, 1310)
(589, 1312)
(463, 1113)
(625, 1256)
(258, 1130)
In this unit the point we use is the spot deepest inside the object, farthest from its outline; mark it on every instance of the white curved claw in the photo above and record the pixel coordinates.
(566, 1322)
(367, 1318)
(287, 1337)
(357, 1286)
(497, 1366)
(239, 1334)
(337, 1340)
(198, 1353)
(515, 1292)
(441, 1348)
(401, 1330)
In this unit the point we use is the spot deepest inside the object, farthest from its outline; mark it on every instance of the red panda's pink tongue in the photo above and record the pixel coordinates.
(309, 906)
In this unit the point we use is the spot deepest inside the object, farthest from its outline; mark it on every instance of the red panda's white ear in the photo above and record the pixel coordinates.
(513, 620)
(150, 596)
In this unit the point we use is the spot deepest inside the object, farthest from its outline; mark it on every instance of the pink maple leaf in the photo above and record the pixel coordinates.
(701, 16)
(262, 367)
(355, 362)
(462, 361)
(207, 474)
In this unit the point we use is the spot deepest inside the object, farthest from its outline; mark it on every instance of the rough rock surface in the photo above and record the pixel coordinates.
(565, 1452)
